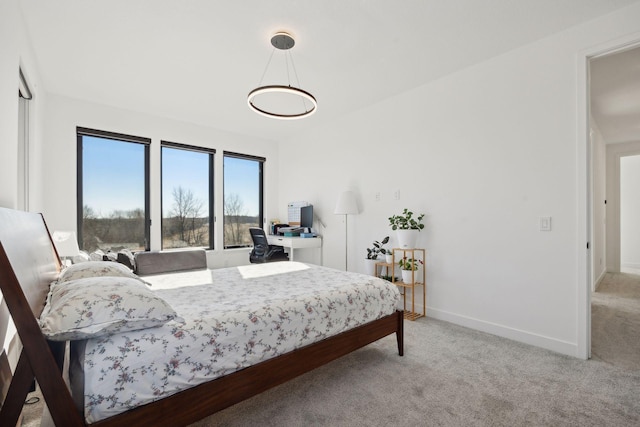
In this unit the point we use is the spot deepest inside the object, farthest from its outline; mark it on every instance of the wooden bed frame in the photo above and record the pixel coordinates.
(29, 263)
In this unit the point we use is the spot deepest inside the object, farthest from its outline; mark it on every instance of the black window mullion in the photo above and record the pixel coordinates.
(80, 203)
(261, 217)
(147, 198)
(211, 204)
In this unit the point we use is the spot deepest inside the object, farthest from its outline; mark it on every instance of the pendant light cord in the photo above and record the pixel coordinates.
(267, 67)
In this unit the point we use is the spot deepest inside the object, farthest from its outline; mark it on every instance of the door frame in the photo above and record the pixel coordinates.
(585, 187)
(615, 152)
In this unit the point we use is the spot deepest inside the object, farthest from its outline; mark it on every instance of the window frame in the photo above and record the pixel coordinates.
(211, 205)
(146, 142)
(261, 219)
(24, 127)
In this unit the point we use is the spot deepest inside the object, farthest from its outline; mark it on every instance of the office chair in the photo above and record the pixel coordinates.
(262, 251)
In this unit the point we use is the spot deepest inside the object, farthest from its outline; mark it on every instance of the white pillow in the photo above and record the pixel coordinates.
(95, 269)
(81, 257)
(97, 306)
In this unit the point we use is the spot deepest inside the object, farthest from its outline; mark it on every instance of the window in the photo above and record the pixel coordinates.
(243, 194)
(187, 196)
(113, 196)
(24, 95)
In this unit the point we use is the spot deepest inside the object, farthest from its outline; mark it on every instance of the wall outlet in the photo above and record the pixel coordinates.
(396, 195)
(377, 196)
(545, 223)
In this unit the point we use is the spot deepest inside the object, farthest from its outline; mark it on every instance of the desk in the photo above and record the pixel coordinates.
(296, 243)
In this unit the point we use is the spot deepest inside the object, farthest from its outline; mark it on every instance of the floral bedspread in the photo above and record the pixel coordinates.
(234, 318)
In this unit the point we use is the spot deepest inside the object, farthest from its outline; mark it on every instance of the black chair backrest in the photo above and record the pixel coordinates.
(262, 251)
(259, 237)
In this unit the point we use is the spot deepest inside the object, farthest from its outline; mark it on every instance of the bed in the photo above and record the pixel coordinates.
(29, 263)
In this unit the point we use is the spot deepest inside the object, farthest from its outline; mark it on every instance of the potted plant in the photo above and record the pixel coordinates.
(407, 267)
(388, 255)
(377, 249)
(407, 227)
(373, 252)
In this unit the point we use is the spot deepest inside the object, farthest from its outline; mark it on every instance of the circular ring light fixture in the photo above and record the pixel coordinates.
(286, 90)
(283, 41)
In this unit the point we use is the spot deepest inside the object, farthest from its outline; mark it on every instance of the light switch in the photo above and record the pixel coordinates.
(545, 223)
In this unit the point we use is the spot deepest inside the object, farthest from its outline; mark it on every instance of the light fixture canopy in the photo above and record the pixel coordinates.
(283, 41)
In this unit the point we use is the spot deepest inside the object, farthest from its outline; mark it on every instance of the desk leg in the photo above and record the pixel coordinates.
(290, 254)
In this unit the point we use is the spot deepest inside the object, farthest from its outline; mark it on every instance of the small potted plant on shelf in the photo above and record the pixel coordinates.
(372, 254)
(407, 267)
(377, 249)
(388, 255)
(407, 227)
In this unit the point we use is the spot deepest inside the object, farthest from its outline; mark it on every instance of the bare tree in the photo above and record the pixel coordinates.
(186, 212)
(137, 213)
(233, 211)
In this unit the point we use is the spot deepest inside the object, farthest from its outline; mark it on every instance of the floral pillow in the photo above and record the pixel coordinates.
(95, 269)
(97, 306)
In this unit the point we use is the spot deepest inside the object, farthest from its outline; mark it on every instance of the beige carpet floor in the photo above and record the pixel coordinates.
(615, 321)
(454, 376)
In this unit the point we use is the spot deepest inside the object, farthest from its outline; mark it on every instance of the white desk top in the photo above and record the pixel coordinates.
(295, 242)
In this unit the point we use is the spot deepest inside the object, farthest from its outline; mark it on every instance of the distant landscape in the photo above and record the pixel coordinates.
(184, 226)
(126, 230)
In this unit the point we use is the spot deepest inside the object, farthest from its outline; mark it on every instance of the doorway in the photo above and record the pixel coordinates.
(630, 214)
(613, 111)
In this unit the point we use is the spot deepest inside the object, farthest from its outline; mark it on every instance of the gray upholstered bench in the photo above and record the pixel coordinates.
(157, 262)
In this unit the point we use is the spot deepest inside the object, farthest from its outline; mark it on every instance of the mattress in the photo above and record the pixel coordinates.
(233, 318)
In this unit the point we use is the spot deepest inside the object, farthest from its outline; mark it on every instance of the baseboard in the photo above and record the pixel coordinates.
(599, 279)
(563, 347)
(634, 265)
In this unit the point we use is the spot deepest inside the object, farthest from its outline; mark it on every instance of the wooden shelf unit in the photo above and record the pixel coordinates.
(418, 279)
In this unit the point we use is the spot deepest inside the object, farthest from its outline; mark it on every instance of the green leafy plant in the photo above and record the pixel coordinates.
(406, 221)
(409, 264)
(372, 253)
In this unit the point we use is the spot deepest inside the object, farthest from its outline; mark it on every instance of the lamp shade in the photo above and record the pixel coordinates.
(347, 204)
(66, 243)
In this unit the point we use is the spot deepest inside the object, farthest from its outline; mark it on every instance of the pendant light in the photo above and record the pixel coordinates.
(285, 102)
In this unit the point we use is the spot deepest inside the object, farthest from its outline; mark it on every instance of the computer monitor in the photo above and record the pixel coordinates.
(306, 216)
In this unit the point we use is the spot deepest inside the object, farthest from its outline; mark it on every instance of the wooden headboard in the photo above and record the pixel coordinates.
(26, 244)
(28, 264)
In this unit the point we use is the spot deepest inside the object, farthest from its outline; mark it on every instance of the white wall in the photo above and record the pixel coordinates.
(630, 212)
(15, 53)
(10, 34)
(63, 115)
(598, 185)
(485, 153)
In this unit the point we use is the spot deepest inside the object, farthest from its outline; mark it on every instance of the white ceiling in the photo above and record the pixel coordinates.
(196, 60)
(615, 95)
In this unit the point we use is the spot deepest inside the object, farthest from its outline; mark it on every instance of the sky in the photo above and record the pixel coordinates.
(113, 176)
